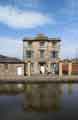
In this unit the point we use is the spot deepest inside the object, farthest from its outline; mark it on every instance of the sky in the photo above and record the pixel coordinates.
(27, 18)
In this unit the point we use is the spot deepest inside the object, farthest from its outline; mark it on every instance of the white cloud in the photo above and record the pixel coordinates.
(11, 47)
(23, 19)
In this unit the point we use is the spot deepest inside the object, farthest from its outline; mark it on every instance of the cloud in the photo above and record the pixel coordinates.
(23, 19)
(11, 47)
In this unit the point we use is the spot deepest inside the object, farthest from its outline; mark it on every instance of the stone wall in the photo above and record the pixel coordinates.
(10, 69)
(36, 60)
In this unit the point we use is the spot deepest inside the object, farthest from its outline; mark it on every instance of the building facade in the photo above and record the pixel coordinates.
(39, 52)
(10, 66)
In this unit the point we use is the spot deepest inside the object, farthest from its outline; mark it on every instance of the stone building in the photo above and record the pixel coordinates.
(41, 51)
(10, 66)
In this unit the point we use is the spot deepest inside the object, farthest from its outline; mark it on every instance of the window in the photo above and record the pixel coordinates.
(54, 54)
(29, 54)
(42, 44)
(29, 44)
(41, 53)
(54, 67)
(5, 66)
(54, 44)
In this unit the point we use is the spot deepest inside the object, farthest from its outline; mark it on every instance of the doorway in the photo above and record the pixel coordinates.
(55, 68)
(42, 67)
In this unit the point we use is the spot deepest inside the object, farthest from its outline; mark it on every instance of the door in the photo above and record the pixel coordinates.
(42, 68)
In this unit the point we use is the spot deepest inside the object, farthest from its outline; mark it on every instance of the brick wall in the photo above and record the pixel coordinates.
(75, 68)
(65, 68)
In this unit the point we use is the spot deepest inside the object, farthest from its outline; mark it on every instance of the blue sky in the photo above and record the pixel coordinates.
(26, 18)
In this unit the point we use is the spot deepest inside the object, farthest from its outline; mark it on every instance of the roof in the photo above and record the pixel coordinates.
(41, 37)
(6, 59)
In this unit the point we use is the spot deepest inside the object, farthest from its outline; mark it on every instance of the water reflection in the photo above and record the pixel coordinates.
(60, 100)
(11, 88)
(70, 89)
(43, 97)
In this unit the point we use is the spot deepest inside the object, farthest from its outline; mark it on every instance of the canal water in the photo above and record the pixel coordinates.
(41, 102)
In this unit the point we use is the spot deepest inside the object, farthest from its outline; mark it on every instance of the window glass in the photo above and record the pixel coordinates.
(54, 54)
(41, 53)
(30, 44)
(29, 54)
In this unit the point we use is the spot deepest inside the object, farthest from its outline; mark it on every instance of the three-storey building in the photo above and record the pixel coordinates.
(41, 51)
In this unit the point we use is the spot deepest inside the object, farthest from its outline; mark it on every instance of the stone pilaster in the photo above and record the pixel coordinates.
(69, 68)
(60, 69)
(36, 68)
(49, 67)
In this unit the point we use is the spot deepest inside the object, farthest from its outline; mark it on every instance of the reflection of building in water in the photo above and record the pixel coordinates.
(70, 89)
(43, 97)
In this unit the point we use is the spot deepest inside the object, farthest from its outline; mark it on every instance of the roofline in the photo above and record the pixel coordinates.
(5, 62)
(49, 39)
(10, 60)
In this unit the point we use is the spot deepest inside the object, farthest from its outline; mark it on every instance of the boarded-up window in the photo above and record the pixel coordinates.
(19, 70)
(6, 66)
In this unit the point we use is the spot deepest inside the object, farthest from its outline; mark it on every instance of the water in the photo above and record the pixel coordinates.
(41, 102)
